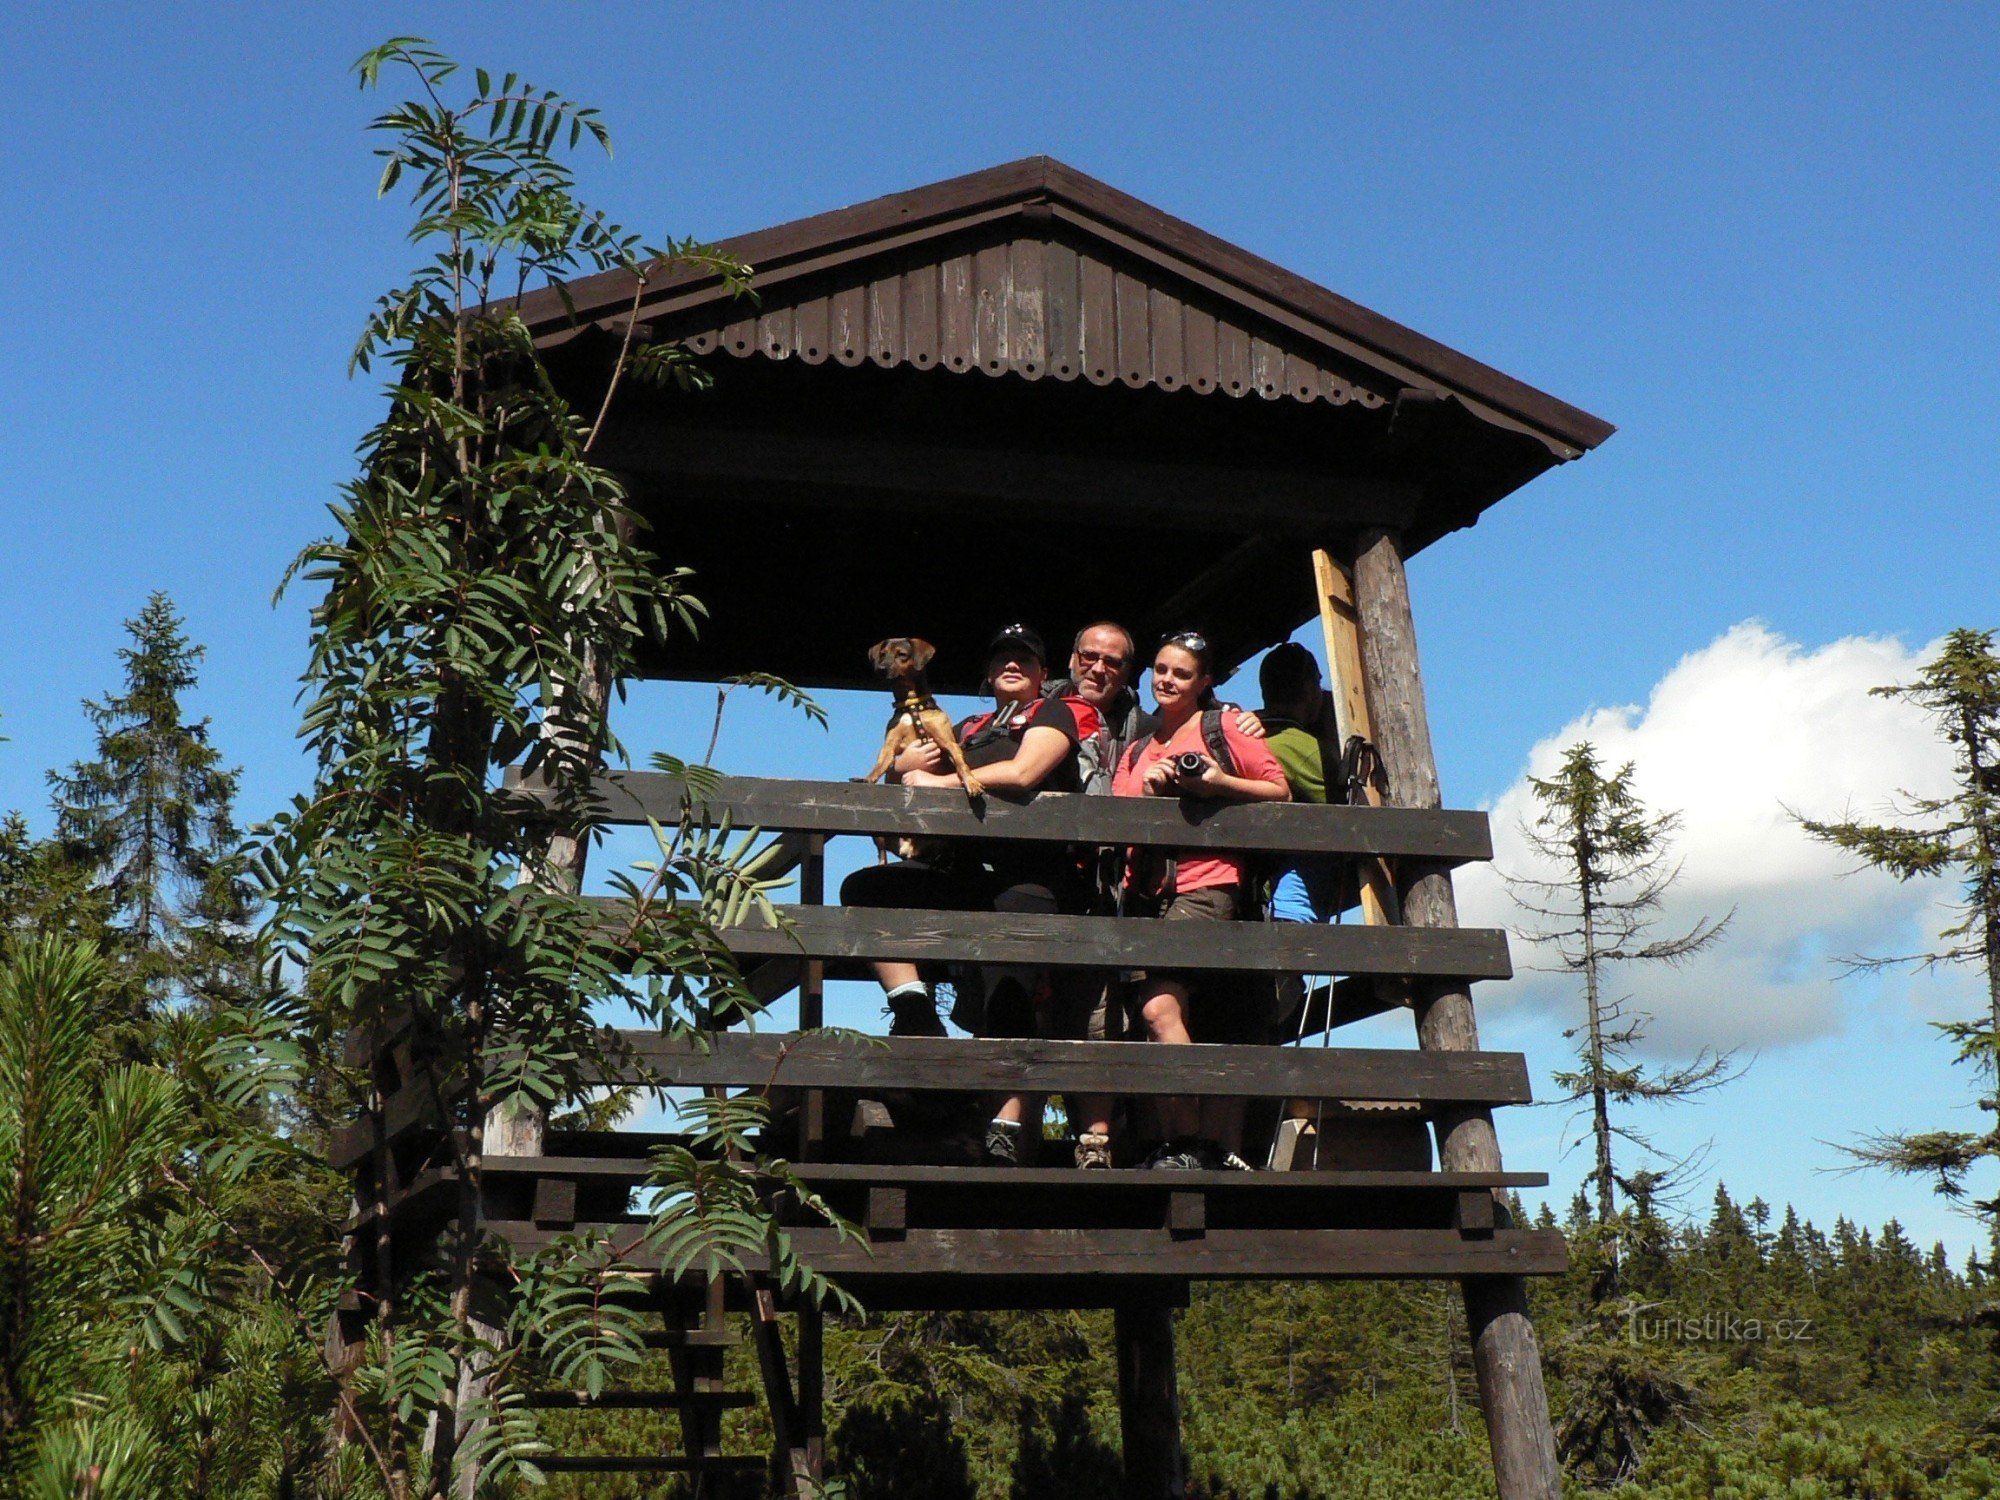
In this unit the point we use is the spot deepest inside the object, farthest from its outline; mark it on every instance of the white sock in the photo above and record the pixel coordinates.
(912, 987)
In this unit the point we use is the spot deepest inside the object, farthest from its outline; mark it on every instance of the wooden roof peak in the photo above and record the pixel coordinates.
(1322, 344)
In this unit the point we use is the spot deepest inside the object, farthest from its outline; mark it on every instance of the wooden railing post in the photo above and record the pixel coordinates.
(1149, 1402)
(1505, 1355)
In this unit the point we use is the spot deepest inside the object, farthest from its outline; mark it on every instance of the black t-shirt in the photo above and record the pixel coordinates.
(993, 737)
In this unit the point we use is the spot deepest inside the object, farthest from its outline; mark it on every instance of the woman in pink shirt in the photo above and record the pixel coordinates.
(1190, 886)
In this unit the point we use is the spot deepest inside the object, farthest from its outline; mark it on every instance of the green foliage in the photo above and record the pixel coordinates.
(1954, 836)
(148, 829)
(1612, 859)
(482, 598)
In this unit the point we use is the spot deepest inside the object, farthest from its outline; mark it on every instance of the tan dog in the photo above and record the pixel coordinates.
(901, 661)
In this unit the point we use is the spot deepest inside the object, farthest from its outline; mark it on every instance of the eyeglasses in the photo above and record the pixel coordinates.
(1192, 640)
(1106, 659)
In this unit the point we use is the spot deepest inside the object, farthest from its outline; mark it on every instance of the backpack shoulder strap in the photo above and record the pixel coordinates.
(1217, 741)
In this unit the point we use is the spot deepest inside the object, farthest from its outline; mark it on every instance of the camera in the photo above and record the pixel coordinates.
(1189, 763)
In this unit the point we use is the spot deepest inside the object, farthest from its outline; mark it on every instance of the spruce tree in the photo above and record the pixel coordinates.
(1954, 837)
(1611, 858)
(149, 824)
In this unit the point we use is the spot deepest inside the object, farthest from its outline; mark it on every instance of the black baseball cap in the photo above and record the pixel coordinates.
(1017, 635)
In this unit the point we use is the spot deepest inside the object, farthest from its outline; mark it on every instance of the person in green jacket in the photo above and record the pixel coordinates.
(1299, 728)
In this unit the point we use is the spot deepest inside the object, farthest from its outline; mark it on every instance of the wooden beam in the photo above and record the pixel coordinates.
(1341, 626)
(1149, 1403)
(1107, 1256)
(952, 1065)
(843, 807)
(847, 469)
(843, 932)
(1506, 1357)
(1061, 1179)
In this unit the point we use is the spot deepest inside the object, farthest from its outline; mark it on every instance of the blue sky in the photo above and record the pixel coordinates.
(1760, 240)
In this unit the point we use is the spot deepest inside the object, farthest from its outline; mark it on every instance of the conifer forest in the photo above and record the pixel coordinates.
(188, 1304)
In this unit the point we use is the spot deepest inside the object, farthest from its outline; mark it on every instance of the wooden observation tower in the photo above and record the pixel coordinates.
(1190, 435)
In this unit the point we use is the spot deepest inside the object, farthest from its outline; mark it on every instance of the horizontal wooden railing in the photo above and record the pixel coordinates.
(917, 1064)
(839, 807)
(836, 932)
(1432, 1080)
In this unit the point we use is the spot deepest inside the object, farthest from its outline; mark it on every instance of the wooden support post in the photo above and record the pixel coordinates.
(1506, 1358)
(812, 1001)
(1341, 626)
(1149, 1403)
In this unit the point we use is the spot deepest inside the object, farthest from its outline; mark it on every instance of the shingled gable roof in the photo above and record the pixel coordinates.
(996, 272)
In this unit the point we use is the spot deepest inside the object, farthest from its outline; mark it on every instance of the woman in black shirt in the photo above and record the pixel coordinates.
(1027, 743)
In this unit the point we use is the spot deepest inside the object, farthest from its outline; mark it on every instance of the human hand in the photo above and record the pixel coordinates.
(1159, 780)
(920, 755)
(1203, 783)
(1249, 724)
(929, 778)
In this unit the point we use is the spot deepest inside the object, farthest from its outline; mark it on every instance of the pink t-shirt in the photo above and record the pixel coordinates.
(1254, 761)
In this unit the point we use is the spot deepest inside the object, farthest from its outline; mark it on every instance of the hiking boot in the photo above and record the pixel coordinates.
(1093, 1150)
(913, 1015)
(1175, 1156)
(1003, 1144)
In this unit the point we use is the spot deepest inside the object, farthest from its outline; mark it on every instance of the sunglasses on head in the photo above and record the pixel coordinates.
(1187, 640)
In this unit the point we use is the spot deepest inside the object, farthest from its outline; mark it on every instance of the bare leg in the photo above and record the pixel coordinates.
(893, 974)
(1165, 1014)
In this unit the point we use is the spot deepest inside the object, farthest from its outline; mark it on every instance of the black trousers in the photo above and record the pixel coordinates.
(992, 1000)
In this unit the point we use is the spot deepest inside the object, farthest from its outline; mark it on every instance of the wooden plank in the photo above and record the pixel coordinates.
(955, 313)
(1301, 377)
(1104, 1257)
(920, 315)
(1114, 1180)
(1187, 1215)
(888, 1216)
(1267, 369)
(1026, 313)
(952, 1065)
(812, 330)
(1163, 316)
(774, 333)
(1341, 627)
(409, 1109)
(1198, 344)
(1218, 1254)
(991, 289)
(885, 321)
(740, 337)
(1100, 321)
(1065, 312)
(1505, 1355)
(1135, 336)
(1115, 942)
(555, 1202)
(849, 468)
(848, 336)
(1232, 359)
(841, 807)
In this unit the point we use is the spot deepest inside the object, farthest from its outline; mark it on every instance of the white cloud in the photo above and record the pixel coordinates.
(1731, 737)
